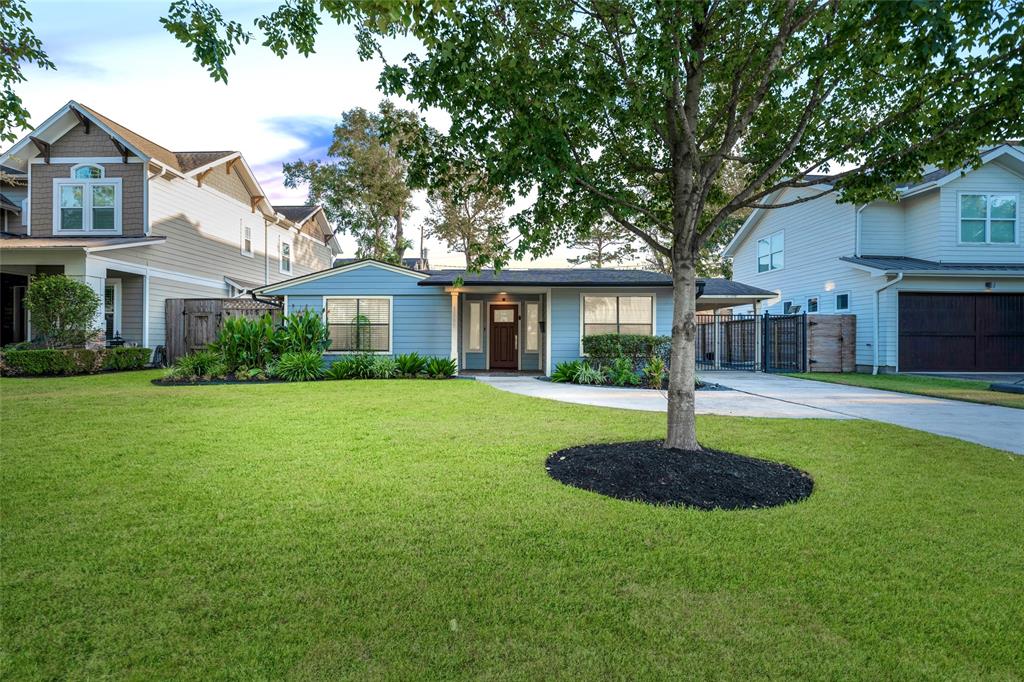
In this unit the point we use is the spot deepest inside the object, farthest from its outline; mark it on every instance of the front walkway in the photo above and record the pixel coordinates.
(729, 403)
(768, 395)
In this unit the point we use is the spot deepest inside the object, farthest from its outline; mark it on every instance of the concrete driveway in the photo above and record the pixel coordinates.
(767, 395)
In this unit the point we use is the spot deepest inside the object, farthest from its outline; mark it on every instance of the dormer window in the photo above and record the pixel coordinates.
(988, 218)
(87, 201)
(88, 172)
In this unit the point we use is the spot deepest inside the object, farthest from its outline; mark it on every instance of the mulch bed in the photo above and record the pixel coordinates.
(216, 382)
(644, 471)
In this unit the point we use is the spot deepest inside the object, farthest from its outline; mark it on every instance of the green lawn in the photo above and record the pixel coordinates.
(408, 530)
(953, 389)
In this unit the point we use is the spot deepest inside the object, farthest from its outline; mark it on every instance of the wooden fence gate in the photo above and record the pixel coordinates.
(192, 323)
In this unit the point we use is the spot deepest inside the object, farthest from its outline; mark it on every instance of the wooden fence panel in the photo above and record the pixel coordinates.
(832, 343)
(192, 323)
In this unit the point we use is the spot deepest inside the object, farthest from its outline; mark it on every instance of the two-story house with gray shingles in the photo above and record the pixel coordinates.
(936, 279)
(140, 224)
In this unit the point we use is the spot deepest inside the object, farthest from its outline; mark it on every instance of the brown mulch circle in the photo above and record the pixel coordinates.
(645, 471)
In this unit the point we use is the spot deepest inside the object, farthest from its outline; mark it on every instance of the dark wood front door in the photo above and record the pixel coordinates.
(504, 337)
(961, 332)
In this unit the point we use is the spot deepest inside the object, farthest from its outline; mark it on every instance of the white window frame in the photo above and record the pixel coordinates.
(391, 324)
(835, 302)
(115, 284)
(988, 218)
(280, 256)
(87, 185)
(479, 347)
(241, 243)
(627, 294)
(532, 345)
(757, 252)
(817, 304)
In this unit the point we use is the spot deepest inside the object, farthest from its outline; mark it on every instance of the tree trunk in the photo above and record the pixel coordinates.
(682, 424)
(399, 238)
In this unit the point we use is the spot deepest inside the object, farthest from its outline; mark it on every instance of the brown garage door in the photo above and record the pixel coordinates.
(961, 332)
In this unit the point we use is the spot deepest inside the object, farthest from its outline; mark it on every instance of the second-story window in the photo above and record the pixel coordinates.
(87, 201)
(769, 253)
(988, 218)
(286, 257)
(246, 240)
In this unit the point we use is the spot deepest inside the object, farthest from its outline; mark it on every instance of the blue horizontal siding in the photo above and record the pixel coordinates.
(565, 318)
(421, 316)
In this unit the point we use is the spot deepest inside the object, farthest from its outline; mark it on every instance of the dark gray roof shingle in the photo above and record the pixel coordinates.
(904, 264)
(189, 161)
(295, 213)
(580, 277)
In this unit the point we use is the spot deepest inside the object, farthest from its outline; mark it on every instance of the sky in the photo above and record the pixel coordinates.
(117, 58)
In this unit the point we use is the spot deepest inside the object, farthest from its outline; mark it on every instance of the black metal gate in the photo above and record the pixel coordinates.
(784, 340)
(769, 343)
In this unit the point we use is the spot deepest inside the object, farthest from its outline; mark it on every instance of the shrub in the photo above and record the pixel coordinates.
(63, 310)
(51, 362)
(245, 342)
(300, 366)
(654, 373)
(587, 374)
(621, 372)
(411, 364)
(302, 332)
(361, 366)
(123, 358)
(341, 368)
(565, 372)
(203, 364)
(638, 348)
(441, 368)
(383, 367)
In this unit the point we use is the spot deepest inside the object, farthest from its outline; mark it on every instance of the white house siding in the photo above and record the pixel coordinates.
(881, 230)
(817, 233)
(992, 177)
(161, 289)
(204, 232)
(921, 220)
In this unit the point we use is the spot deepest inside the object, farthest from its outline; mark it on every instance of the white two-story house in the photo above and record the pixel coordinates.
(89, 198)
(936, 279)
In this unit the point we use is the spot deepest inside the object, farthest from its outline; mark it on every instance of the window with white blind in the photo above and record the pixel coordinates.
(359, 325)
(618, 315)
(532, 327)
(475, 342)
(246, 245)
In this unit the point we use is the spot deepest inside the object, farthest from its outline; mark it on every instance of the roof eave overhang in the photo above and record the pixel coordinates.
(499, 286)
(40, 132)
(329, 272)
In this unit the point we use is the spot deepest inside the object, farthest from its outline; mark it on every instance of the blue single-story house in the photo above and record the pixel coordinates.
(509, 320)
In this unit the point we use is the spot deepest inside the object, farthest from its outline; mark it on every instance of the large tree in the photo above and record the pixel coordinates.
(363, 184)
(604, 244)
(468, 216)
(630, 109)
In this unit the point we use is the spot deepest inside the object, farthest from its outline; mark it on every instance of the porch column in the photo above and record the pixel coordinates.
(455, 330)
(94, 275)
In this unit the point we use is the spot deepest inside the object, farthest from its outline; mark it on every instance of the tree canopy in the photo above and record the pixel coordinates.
(633, 111)
(363, 184)
(20, 46)
(469, 216)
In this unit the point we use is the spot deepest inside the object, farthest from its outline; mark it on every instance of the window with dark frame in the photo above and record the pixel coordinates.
(360, 325)
(618, 315)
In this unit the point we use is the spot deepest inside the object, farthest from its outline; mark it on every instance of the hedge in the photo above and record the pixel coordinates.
(602, 349)
(70, 361)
